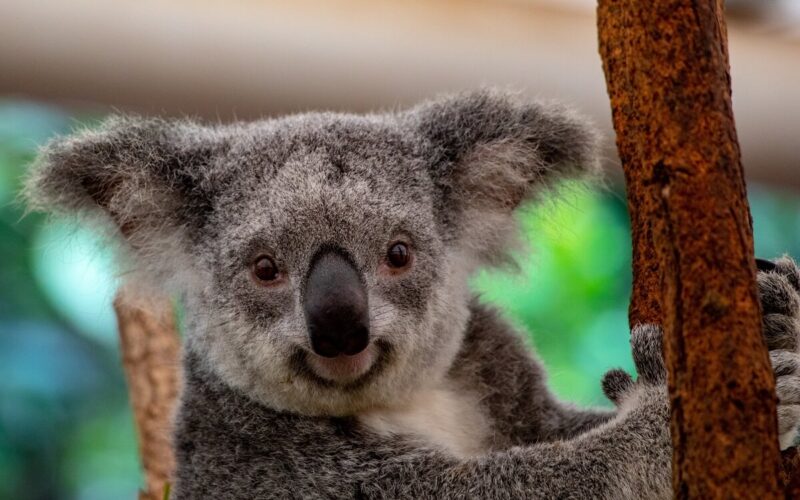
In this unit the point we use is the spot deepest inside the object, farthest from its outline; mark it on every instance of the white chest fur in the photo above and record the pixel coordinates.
(441, 418)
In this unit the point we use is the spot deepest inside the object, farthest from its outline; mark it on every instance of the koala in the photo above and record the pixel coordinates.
(332, 346)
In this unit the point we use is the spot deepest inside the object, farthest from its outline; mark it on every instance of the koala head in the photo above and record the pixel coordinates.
(323, 258)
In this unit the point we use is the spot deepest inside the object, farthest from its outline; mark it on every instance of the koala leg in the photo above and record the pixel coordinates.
(779, 290)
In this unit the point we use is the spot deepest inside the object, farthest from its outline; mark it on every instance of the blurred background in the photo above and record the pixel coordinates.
(65, 425)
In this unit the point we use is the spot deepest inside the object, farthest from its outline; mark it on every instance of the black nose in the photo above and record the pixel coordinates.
(335, 303)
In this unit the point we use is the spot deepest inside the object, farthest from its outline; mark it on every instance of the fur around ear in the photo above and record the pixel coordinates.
(144, 174)
(490, 151)
(148, 180)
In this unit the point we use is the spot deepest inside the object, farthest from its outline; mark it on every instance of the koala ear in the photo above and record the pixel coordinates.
(149, 177)
(489, 151)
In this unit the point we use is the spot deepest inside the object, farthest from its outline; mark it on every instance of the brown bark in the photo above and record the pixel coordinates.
(666, 67)
(150, 350)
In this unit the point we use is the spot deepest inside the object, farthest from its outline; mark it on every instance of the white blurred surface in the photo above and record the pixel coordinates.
(250, 58)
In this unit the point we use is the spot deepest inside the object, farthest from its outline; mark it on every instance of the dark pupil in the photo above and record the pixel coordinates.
(398, 255)
(265, 269)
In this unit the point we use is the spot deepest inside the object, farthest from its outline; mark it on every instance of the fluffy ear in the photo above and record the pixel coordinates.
(149, 177)
(489, 151)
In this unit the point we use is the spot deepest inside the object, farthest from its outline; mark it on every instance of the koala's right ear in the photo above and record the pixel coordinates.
(149, 177)
(490, 151)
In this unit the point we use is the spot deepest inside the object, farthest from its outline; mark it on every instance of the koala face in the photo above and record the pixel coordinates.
(323, 258)
(336, 321)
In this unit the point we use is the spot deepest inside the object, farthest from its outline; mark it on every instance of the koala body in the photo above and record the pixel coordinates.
(333, 349)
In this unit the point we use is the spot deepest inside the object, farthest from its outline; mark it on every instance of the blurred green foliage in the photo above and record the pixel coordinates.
(571, 290)
(65, 425)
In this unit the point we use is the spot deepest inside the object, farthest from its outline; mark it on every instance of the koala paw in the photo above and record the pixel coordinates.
(646, 344)
(779, 290)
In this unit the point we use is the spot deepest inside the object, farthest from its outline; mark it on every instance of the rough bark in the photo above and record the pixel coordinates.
(666, 67)
(150, 350)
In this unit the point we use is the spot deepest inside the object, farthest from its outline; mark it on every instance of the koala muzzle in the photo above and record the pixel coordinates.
(335, 303)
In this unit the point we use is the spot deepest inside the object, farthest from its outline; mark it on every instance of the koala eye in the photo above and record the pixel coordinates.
(398, 255)
(264, 269)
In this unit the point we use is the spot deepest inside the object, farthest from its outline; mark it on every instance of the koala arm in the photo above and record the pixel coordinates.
(512, 384)
(228, 446)
(565, 421)
(628, 456)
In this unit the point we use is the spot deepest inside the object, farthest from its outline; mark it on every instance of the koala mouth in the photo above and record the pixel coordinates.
(343, 371)
(343, 367)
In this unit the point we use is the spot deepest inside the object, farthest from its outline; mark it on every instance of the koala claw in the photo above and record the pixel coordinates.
(764, 265)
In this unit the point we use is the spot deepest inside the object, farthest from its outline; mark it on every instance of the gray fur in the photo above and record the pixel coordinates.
(235, 448)
(193, 205)
(779, 290)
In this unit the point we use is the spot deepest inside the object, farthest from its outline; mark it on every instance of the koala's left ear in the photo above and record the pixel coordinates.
(489, 151)
(148, 178)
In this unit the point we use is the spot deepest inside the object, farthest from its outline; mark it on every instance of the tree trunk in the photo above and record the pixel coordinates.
(666, 66)
(150, 353)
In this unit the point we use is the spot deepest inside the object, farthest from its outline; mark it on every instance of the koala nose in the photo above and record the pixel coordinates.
(335, 303)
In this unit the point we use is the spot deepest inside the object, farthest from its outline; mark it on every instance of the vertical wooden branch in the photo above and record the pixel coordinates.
(666, 67)
(150, 350)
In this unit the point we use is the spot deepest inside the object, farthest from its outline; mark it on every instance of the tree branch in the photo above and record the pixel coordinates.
(666, 67)
(150, 352)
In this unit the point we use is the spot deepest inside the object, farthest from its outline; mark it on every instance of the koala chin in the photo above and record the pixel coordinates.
(332, 346)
